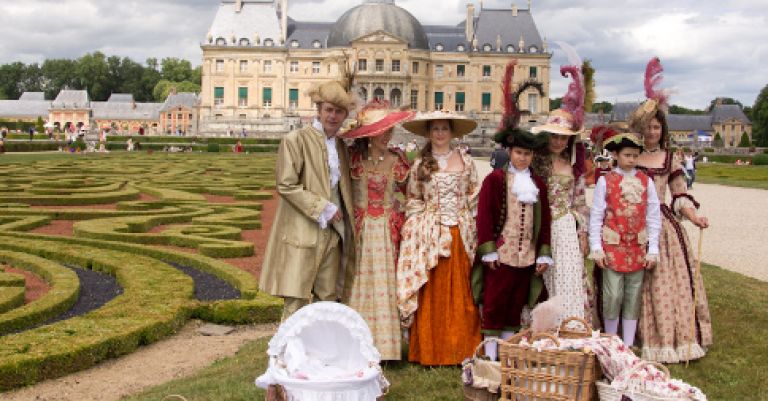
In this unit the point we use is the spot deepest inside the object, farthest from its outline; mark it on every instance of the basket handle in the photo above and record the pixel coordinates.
(587, 327)
(482, 344)
(539, 336)
(644, 363)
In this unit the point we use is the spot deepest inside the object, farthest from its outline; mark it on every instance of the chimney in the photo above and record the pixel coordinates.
(514, 9)
(238, 6)
(284, 20)
(470, 22)
(529, 5)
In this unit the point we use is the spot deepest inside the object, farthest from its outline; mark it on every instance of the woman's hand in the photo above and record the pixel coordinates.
(700, 221)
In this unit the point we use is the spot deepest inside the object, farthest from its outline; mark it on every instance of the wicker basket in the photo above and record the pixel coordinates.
(608, 393)
(531, 375)
(488, 368)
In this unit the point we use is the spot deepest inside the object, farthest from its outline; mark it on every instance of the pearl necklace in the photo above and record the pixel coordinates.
(442, 158)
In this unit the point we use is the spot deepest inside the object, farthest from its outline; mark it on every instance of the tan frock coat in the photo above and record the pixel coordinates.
(296, 242)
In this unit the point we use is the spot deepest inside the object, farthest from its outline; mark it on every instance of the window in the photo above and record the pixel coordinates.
(414, 99)
(221, 42)
(219, 65)
(379, 65)
(267, 66)
(294, 66)
(439, 70)
(266, 98)
(316, 44)
(293, 98)
(378, 94)
(179, 116)
(395, 65)
(510, 49)
(269, 42)
(439, 47)
(190, 116)
(438, 100)
(245, 42)
(170, 116)
(459, 101)
(486, 101)
(460, 48)
(415, 67)
(487, 47)
(396, 97)
(294, 43)
(243, 65)
(533, 103)
(218, 96)
(486, 70)
(315, 67)
(460, 70)
(533, 72)
(533, 49)
(242, 97)
(362, 64)
(364, 94)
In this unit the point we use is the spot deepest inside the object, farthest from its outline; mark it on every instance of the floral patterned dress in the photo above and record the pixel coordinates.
(668, 330)
(379, 199)
(568, 277)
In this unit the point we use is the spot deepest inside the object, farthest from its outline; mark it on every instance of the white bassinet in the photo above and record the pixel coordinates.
(325, 352)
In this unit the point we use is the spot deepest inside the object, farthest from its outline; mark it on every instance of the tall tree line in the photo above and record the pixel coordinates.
(100, 76)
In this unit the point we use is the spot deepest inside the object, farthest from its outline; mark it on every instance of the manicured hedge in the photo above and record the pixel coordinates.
(36, 146)
(127, 193)
(190, 140)
(11, 279)
(10, 298)
(760, 160)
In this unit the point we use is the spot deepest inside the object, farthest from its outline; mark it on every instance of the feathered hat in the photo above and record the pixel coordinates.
(376, 118)
(569, 118)
(656, 99)
(509, 134)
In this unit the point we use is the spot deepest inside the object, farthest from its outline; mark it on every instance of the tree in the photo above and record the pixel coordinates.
(605, 107)
(675, 109)
(745, 142)
(555, 103)
(10, 77)
(59, 74)
(760, 118)
(718, 141)
(164, 88)
(93, 75)
(177, 70)
(40, 124)
(723, 100)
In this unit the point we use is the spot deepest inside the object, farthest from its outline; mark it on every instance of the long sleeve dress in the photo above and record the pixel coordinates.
(668, 330)
(379, 199)
(438, 244)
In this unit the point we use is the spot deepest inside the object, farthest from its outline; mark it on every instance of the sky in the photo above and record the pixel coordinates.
(709, 48)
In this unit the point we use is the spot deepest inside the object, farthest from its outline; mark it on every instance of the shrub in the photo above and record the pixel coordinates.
(213, 148)
(744, 142)
(718, 141)
(760, 160)
(26, 146)
(709, 150)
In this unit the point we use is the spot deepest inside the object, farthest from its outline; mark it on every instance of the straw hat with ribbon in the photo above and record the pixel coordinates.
(376, 118)
(460, 125)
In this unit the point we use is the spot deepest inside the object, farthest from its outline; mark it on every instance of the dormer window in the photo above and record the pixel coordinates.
(245, 42)
(460, 48)
(316, 44)
(269, 42)
(487, 47)
(294, 43)
(510, 49)
(221, 42)
(533, 49)
(439, 47)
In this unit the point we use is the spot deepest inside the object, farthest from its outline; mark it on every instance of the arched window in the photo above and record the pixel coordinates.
(364, 95)
(269, 42)
(245, 42)
(396, 97)
(460, 48)
(294, 43)
(221, 42)
(439, 47)
(487, 47)
(533, 49)
(510, 49)
(316, 44)
(378, 94)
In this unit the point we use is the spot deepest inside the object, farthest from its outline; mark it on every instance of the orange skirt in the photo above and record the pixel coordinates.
(446, 327)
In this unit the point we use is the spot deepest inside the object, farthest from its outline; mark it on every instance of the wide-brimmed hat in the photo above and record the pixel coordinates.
(460, 125)
(559, 122)
(332, 92)
(375, 119)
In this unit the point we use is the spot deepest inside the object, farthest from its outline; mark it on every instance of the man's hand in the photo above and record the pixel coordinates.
(337, 217)
(600, 262)
(541, 268)
(649, 264)
(492, 265)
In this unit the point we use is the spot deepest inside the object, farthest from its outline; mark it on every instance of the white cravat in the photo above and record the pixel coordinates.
(523, 186)
(334, 172)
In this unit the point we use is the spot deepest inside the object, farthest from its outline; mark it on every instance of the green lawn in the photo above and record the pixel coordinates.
(736, 367)
(737, 176)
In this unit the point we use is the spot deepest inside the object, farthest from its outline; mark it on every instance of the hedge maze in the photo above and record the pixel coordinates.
(158, 225)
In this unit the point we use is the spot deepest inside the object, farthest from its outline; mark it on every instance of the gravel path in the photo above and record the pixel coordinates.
(207, 286)
(738, 219)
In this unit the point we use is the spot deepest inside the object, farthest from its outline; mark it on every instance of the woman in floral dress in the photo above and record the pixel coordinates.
(675, 323)
(438, 245)
(379, 176)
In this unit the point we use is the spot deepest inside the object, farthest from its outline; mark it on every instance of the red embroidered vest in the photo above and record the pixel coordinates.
(625, 237)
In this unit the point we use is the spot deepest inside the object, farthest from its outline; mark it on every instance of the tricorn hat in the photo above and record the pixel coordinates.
(332, 92)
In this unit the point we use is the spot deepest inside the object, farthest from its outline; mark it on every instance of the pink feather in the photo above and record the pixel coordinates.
(653, 78)
(573, 101)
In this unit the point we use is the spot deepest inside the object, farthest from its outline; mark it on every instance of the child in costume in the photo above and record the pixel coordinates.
(513, 229)
(624, 227)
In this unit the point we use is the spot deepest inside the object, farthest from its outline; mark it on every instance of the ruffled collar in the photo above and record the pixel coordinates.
(523, 186)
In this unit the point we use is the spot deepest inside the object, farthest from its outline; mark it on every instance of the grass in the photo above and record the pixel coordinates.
(731, 175)
(734, 369)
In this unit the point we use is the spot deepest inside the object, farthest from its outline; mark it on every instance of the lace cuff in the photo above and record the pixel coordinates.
(596, 254)
(491, 257)
(683, 201)
(652, 257)
(327, 214)
(545, 259)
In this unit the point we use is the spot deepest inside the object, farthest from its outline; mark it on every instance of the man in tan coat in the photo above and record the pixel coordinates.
(311, 243)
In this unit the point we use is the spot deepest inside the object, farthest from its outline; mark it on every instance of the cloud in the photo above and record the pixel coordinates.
(709, 48)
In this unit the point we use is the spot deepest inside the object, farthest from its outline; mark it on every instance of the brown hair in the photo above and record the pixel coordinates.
(542, 158)
(428, 162)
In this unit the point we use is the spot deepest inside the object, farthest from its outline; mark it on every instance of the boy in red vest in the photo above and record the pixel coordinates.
(624, 227)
